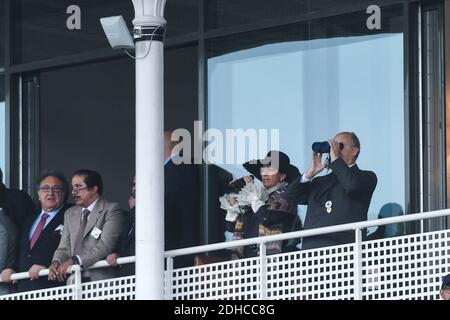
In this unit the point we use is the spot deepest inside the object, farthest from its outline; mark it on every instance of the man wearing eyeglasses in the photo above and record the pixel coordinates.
(445, 288)
(91, 229)
(42, 233)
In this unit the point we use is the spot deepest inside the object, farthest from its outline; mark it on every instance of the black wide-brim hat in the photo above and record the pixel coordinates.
(446, 281)
(284, 165)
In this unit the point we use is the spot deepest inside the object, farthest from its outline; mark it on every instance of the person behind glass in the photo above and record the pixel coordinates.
(342, 196)
(181, 198)
(181, 219)
(36, 247)
(126, 246)
(91, 229)
(445, 288)
(256, 211)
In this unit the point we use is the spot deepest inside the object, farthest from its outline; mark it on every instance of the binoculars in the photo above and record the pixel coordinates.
(324, 147)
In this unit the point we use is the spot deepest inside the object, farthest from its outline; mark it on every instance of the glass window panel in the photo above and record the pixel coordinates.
(2, 125)
(181, 16)
(40, 30)
(2, 34)
(316, 80)
(225, 13)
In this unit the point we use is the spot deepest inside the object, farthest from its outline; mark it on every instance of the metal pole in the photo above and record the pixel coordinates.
(421, 146)
(149, 30)
(263, 268)
(77, 282)
(358, 264)
(169, 279)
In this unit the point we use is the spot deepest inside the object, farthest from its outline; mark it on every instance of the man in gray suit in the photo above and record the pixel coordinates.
(91, 229)
(8, 246)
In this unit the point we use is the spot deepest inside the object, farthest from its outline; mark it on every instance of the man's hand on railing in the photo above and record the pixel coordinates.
(53, 271)
(112, 259)
(6, 274)
(34, 271)
(62, 269)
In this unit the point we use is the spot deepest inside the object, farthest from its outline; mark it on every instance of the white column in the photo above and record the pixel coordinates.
(149, 150)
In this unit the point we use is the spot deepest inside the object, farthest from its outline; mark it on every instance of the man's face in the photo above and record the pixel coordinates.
(51, 193)
(349, 152)
(445, 293)
(83, 195)
(271, 177)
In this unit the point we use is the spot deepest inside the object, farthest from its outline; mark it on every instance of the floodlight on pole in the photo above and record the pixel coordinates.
(117, 32)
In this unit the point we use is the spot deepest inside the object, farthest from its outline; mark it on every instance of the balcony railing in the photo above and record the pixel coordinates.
(403, 267)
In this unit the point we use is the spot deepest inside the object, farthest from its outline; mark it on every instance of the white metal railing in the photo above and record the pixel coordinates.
(404, 267)
(75, 289)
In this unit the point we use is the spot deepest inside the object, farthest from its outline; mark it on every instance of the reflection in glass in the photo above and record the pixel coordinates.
(40, 30)
(225, 13)
(312, 89)
(2, 34)
(181, 16)
(2, 124)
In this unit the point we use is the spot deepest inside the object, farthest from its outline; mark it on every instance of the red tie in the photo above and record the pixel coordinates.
(38, 230)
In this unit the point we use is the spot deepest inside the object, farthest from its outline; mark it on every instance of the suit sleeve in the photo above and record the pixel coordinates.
(111, 231)
(120, 246)
(356, 183)
(188, 207)
(297, 192)
(63, 252)
(3, 247)
(13, 250)
(122, 242)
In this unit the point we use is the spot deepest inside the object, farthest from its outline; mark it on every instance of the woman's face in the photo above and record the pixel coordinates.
(271, 177)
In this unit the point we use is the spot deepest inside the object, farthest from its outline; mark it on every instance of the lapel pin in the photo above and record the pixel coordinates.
(328, 205)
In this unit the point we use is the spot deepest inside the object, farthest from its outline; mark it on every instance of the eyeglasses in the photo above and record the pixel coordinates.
(77, 189)
(46, 188)
(446, 289)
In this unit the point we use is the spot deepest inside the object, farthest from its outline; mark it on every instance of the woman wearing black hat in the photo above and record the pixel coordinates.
(445, 288)
(254, 211)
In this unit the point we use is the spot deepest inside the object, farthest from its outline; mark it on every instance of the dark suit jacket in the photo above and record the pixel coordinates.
(182, 216)
(18, 206)
(127, 243)
(8, 247)
(349, 189)
(42, 252)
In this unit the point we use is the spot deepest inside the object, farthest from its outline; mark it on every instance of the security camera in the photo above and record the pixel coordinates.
(116, 31)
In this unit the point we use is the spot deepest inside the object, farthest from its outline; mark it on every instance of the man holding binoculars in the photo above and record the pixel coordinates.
(342, 196)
